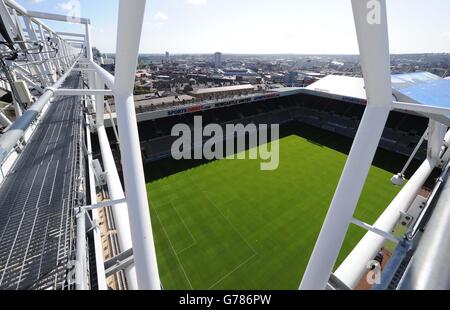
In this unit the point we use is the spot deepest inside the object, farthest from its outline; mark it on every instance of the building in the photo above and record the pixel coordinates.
(238, 72)
(167, 57)
(291, 77)
(218, 60)
(150, 102)
(140, 74)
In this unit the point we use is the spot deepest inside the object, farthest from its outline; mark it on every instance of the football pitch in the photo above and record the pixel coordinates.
(228, 225)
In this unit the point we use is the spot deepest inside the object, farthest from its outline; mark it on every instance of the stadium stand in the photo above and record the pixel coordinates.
(402, 133)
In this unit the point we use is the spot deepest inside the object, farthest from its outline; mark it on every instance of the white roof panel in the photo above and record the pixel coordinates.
(344, 86)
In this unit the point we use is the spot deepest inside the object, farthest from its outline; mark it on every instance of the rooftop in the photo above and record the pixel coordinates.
(419, 87)
(423, 88)
(340, 85)
(150, 100)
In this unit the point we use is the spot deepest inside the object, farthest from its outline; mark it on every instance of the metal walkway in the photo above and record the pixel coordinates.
(37, 200)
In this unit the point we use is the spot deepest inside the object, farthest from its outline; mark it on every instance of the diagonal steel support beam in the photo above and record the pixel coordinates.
(375, 230)
(119, 262)
(131, 17)
(81, 92)
(58, 17)
(71, 34)
(372, 31)
(103, 204)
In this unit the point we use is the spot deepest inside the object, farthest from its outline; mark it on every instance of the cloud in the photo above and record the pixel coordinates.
(197, 2)
(36, 1)
(96, 29)
(68, 6)
(160, 17)
(446, 35)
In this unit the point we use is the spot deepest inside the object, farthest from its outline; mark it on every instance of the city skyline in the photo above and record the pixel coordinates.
(284, 27)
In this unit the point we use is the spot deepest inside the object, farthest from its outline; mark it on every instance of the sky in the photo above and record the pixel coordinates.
(259, 26)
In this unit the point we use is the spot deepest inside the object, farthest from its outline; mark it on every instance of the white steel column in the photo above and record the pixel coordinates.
(59, 61)
(62, 49)
(43, 69)
(17, 109)
(131, 16)
(67, 50)
(99, 101)
(120, 211)
(81, 267)
(436, 136)
(99, 261)
(89, 54)
(33, 68)
(95, 215)
(371, 27)
(4, 120)
(48, 57)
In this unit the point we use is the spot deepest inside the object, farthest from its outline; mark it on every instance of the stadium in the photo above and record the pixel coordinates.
(238, 207)
(92, 197)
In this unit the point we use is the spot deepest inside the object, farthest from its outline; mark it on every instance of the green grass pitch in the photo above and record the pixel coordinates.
(228, 225)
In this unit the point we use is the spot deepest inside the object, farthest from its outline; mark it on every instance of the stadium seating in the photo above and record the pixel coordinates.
(401, 134)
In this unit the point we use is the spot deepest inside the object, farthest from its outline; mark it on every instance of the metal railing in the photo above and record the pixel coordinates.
(48, 74)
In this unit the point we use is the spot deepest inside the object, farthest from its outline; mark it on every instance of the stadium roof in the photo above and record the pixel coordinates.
(420, 87)
(287, 90)
(344, 86)
(423, 88)
(222, 89)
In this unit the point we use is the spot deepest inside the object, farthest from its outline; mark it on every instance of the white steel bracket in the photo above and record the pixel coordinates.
(375, 230)
(119, 262)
